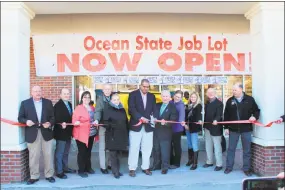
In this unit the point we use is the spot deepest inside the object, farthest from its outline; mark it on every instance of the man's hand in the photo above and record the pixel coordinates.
(200, 122)
(252, 119)
(77, 123)
(95, 123)
(227, 132)
(215, 122)
(144, 120)
(30, 123)
(183, 123)
(281, 175)
(46, 125)
(163, 122)
(186, 127)
(280, 120)
(63, 125)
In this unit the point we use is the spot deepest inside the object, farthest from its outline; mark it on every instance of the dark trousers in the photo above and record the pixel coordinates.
(115, 162)
(84, 155)
(161, 152)
(176, 149)
(61, 155)
(246, 147)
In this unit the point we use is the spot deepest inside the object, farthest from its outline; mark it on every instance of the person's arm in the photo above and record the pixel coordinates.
(219, 113)
(181, 113)
(173, 115)
(21, 116)
(199, 113)
(51, 118)
(132, 107)
(226, 115)
(255, 110)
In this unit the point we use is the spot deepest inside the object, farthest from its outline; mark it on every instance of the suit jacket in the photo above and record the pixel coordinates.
(214, 111)
(61, 115)
(28, 112)
(136, 109)
(164, 132)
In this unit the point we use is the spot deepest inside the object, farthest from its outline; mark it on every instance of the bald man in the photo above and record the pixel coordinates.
(101, 104)
(63, 133)
(37, 113)
(240, 107)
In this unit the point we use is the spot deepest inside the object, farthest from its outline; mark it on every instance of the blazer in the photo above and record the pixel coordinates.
(195, 116)
(136, 109)
(164, 132)
(61, 114)
(28, 112)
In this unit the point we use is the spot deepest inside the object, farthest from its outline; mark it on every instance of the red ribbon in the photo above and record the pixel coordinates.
(257, 123)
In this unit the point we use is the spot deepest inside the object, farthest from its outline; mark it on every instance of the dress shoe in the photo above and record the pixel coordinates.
(61, 176)
(90, 171)
(120, 174)
(147, 172)
(109, 167)
(218, 168)
(32, 181)
(117, 176)
(247, 173)
(164, 171)
(83, 174)
(71, 171)
(132, 173)
(50, 179)
(173, 167)
(155, 168)
(104, 171)
(208, 165)
(227, 171)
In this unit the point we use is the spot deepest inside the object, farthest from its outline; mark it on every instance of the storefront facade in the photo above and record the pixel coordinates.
(262, 23)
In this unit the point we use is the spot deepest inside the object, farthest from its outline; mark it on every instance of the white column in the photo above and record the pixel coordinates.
(15, 70)
(267, 46)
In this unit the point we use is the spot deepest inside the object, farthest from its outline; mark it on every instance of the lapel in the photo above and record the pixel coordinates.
(141, 99)
(164, 111)
(64, 108)
(34, 109)
(43, 108)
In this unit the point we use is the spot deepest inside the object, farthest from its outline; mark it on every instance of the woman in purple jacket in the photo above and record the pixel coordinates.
(192, 129)
(177, 129)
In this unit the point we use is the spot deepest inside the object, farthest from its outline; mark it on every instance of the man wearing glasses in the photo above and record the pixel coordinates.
(141, 105)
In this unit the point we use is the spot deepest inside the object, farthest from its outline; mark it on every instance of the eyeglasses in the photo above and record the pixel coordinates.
(86, 97)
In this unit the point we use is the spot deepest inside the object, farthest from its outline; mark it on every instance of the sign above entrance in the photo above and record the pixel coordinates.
(142, 54)
(161, 80)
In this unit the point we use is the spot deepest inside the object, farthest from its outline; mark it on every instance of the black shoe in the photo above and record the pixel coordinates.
(50, 179)
(173, 167)
(218, 168)
(61, 176)
(164, 171)
(132, 173)
(83, 174)
(208, 165)
(71, 171)
(120, 174)
(104, 171)
(247, 173)
(109, 167)
(190, 157)
(117, 176)
(32, 181)
(227, 171)
(90, 171)
(147, 172)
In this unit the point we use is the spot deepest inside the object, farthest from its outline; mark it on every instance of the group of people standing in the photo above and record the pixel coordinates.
(147, 131)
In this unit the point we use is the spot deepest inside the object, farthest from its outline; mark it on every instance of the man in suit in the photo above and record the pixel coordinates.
(62, 134)
(141, 105)
(102, 102)
(37, 113)
(213, 131)
(163, 132)
(240, 107)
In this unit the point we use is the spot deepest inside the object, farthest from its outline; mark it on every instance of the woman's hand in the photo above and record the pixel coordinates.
(77, 123)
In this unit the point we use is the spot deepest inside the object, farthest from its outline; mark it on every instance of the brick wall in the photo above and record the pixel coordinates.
(14, 166)
(51, 86)
(267, 161)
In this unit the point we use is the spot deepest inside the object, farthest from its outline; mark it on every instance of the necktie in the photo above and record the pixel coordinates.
(69, 109)
(162, 108)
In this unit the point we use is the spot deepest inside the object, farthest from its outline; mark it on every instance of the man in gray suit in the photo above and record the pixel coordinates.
(102, 102)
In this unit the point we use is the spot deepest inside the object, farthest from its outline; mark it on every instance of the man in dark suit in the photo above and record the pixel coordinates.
(163, 132)
(213, 131)
(37, 113)
(62, 134)
(141, 105)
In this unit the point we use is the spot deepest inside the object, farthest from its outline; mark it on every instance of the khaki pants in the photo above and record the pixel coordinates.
(213, 142)
(35, 149)
(102, 151)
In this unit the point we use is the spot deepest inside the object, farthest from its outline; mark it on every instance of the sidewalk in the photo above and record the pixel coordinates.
(178, 179)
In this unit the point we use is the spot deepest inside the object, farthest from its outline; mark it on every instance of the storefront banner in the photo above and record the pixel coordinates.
(142, 54)
(161, 80)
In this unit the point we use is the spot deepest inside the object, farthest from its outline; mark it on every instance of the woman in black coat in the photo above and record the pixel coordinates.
(116, 136)
(192, 129)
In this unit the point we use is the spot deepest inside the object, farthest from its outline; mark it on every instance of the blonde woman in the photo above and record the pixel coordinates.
(192, 129)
